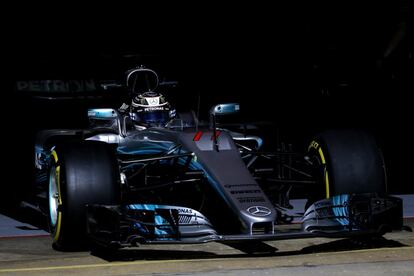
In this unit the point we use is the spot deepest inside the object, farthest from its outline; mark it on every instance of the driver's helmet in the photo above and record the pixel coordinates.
(151, 109)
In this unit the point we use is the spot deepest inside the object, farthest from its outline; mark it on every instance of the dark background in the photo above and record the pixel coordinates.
(304, 66)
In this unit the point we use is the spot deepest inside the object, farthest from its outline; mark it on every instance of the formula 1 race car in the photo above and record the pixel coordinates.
(124, 182)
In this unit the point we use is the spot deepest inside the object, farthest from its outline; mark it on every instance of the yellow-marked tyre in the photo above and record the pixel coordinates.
(346, 161)
(55, 199)
(79, 174)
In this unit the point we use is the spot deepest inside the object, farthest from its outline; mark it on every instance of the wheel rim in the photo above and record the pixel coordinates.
(53, 197)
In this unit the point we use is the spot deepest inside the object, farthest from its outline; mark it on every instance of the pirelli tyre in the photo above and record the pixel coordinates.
(80, 173)
(346, 161)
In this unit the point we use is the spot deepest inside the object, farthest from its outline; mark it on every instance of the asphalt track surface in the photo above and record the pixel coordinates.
(392, 254)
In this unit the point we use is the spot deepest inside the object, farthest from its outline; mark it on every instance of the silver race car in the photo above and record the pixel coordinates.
(144, 174)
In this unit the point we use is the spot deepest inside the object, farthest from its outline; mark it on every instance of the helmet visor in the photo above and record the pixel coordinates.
(158, 117)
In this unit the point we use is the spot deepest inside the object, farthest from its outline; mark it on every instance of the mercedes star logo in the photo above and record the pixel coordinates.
(153, 101)
(259, 211)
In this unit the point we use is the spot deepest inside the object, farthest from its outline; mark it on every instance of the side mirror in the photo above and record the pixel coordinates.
(104, 118)
(221, 109)
(225, 109)
(102, 113)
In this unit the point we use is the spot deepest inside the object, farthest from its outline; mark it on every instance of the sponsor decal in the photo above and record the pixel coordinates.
(185, 211)
(239, 185)
(259, 211)
(314, 145)
(251, 199)
(246, 192)
(155, 108)
(56, 86)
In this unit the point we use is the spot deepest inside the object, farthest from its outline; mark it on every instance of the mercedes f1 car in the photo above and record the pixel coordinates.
(192, 182)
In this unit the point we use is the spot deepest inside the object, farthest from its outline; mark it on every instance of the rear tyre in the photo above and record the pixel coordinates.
(346, 161)
(80, 173)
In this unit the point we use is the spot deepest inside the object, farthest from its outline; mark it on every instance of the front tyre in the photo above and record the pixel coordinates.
(346, 161)
(80, 173)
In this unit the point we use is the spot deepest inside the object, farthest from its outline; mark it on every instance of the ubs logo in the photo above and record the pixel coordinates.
(259, 211)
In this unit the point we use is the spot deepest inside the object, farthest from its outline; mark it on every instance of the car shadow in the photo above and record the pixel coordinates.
(256, 249)
(351, 245)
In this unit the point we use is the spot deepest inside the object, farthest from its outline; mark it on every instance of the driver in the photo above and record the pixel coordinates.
(151, 109)
(147, 107)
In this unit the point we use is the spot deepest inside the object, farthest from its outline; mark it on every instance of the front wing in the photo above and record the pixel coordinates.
(126, 225)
